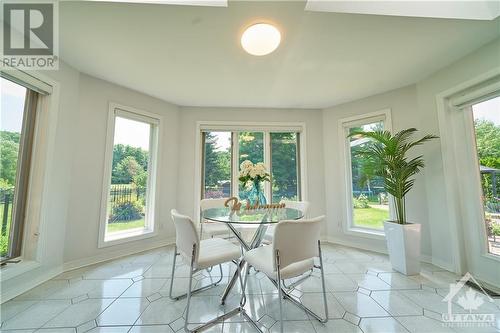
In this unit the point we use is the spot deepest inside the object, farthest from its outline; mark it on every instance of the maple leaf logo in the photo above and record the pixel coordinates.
(471, 300)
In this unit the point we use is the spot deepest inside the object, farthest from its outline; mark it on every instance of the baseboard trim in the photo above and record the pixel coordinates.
(439, 263)
(424, 258)
(111, 255)
(360, 245)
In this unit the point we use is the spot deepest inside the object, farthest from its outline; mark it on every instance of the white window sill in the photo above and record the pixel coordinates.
(126, 236)
(491, 256)
(367, 233)
(10, 271)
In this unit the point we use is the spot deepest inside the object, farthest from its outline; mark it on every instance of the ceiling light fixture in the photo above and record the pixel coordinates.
(260, 39)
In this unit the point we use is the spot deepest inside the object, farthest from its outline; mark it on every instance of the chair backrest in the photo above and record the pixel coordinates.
(303, 206)
(212, 203)
(297, 241)
(185, 235)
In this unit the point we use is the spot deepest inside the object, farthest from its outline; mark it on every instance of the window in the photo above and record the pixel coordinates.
(250, 147)
(223, 152)
(486, 117)
(217, 165)
(368, 203)
(17, 127)
(285, 166)
(130, 189)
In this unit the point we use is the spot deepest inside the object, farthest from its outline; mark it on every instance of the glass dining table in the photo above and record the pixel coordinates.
(259, 218)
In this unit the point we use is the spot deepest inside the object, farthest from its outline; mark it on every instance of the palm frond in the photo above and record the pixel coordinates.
(386, 157)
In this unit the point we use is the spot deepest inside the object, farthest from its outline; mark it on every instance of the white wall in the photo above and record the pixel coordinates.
(412, 106)
(445, 247)
(187, 134)
(87, 170)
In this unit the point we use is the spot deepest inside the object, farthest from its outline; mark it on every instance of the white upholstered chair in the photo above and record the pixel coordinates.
(199, 255)
(303, 206)
(209, 228)
(291, 254)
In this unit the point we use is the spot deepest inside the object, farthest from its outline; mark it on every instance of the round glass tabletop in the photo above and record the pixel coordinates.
(258, 216)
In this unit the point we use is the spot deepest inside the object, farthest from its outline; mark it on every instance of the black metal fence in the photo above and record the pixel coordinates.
(6, 205)
(124, 193)
(126, 203)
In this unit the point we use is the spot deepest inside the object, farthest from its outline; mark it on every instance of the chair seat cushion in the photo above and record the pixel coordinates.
(262, 259)
(214, 251)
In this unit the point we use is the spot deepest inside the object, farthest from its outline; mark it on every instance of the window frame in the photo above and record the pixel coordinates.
(21, 195)
(35, 234)
(266, 128)
(471, 158)
(152, 192)
(203, 154)
(345, 124)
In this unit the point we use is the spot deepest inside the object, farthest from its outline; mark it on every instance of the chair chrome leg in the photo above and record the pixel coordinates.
(221, 318)
(243, 298)
(176, 298)
(211, 285)
(193, 256)
(172, 276)
(280, 296)
(299, 281)
(323, 282)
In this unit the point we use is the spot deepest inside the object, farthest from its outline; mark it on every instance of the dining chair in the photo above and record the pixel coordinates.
(303, 206)
(292, 253)
(209, 228)
(199, 255)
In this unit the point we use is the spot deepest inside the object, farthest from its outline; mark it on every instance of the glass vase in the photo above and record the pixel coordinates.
(256, 195)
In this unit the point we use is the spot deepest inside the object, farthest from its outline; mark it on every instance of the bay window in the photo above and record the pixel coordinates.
(224, 150)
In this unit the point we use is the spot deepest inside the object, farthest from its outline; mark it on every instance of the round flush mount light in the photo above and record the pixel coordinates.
(260, 39)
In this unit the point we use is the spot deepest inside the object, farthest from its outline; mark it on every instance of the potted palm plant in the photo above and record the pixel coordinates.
(388, 158)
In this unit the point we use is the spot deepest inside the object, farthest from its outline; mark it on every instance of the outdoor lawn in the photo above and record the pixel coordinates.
(370, 217)
(126, 225)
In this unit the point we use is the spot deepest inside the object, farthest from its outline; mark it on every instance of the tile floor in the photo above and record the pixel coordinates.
(131, 295)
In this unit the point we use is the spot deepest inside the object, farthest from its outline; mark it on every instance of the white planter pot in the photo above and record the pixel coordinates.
(403, 245)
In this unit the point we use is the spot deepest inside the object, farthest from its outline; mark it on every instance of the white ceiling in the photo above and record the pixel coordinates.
(190, 55)
(471, 10)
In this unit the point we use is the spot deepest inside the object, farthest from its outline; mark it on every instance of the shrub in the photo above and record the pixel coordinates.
(495, 228)
(4, 243)
(361, 201)
(127, 211)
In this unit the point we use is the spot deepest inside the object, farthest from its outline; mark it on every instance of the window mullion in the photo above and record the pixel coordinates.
(235, 170)
(268, 162)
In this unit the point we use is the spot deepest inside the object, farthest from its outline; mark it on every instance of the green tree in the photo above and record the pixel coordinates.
(120, 152)
(284, 162)
(251, 146)
(217, 162)
(9, 150)
(126, 170)
(140, 181)
(487, 142)
(488, 150)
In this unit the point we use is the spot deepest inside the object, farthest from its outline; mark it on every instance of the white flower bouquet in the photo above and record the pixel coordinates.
(250, 172)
